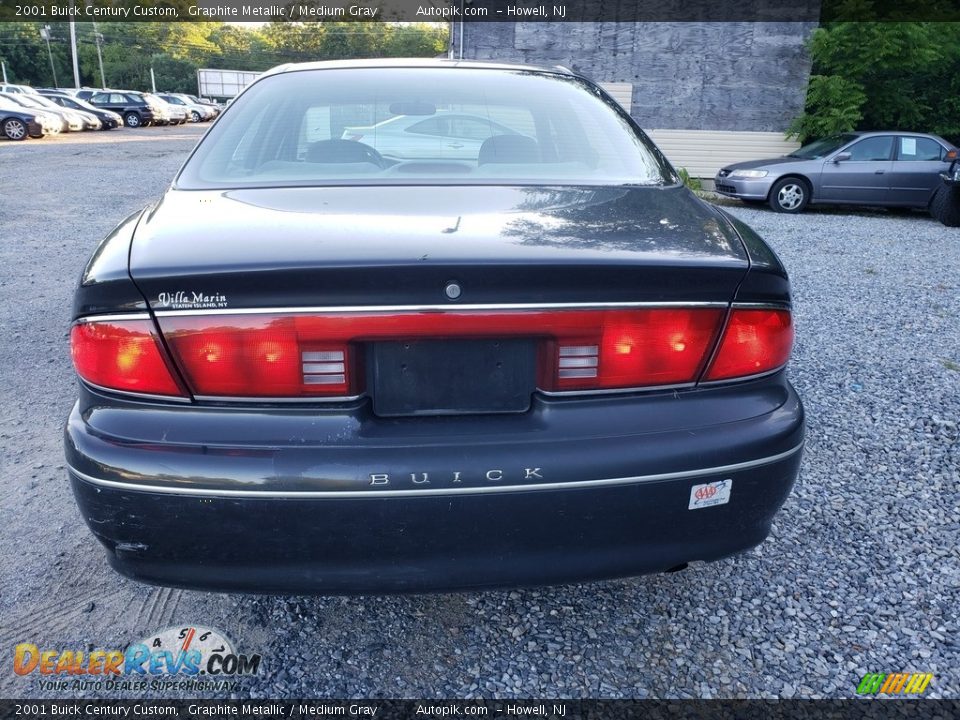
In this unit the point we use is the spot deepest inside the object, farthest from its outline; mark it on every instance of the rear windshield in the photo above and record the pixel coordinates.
(380, 126)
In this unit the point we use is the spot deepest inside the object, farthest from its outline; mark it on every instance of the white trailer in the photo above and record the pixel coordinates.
(223, 83)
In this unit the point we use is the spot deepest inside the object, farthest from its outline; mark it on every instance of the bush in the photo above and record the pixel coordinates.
(691, 182)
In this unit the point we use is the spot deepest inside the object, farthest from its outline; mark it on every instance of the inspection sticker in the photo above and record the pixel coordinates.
(715, 493)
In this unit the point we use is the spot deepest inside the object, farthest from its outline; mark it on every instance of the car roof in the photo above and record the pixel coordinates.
(415, 63)
(873, 133)
(913, 133)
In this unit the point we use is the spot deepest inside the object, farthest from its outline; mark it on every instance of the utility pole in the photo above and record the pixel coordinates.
(73, 49)
(3, 66)
(98, 37)
(45, 34)
(153, 80)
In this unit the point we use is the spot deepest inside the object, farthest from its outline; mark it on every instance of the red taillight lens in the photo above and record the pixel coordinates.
(256, 357)
(638, 348)
(754, 342)
(122, 355)
(317, 355)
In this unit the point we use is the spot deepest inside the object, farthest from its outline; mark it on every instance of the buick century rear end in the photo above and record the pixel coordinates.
(518, 352)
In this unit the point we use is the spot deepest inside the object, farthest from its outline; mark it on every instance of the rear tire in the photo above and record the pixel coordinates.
(945, 205)
(194, 116)
(789, 195)
(132, 120)
(15, 129)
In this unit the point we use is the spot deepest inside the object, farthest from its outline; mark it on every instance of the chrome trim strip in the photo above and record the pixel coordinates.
(353, 494)
(254, 400)
(761, 306)
(745, 378)
(114, 316)
(136, 395)
(452, 307)
(614, 391)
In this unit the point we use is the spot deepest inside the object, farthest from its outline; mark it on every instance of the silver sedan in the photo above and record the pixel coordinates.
(889, 168)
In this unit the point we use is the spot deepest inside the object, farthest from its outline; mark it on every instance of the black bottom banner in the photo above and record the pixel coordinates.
(380, 709)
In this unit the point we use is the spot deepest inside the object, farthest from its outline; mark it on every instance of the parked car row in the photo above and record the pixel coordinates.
(883, 168)
(141, 108)
(35, 112)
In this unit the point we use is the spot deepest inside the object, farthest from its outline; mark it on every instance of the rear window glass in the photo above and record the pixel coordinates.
(422, 126)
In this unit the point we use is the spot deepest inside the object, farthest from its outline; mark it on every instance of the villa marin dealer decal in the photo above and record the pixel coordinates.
(181, 658)
(181, 300)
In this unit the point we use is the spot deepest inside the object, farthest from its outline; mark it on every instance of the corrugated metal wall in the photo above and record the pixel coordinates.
(703, 152)
(622, 92)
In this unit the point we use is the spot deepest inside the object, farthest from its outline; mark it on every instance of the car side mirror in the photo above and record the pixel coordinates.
(840, 157)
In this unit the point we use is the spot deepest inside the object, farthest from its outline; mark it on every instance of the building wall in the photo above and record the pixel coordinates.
(733, 76)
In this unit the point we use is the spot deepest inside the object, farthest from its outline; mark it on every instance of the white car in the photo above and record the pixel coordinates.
(173, 114)
(439, 134)
(195, 112)
(11, 88)
(86, 120)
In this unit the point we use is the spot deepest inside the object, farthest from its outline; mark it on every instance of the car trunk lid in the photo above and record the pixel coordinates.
(307, 247)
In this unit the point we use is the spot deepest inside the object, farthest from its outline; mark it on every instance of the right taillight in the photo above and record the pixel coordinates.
(755, 341)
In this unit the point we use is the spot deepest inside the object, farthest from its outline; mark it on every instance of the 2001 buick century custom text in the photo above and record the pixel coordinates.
(313, 367)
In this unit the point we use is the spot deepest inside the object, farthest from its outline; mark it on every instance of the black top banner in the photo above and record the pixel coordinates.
(479, 10)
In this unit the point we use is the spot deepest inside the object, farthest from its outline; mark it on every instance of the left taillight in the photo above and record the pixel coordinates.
(123, 355)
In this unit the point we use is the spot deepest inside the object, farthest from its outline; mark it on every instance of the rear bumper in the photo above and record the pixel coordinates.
(295, 516)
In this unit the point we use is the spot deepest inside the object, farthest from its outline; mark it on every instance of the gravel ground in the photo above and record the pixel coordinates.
(860, 575)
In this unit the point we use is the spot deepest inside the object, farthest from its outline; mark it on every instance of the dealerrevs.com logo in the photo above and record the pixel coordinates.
(174, 657)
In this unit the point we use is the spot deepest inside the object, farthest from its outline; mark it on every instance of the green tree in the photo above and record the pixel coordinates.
(25, 53)
(883, 75)
(176, 50)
